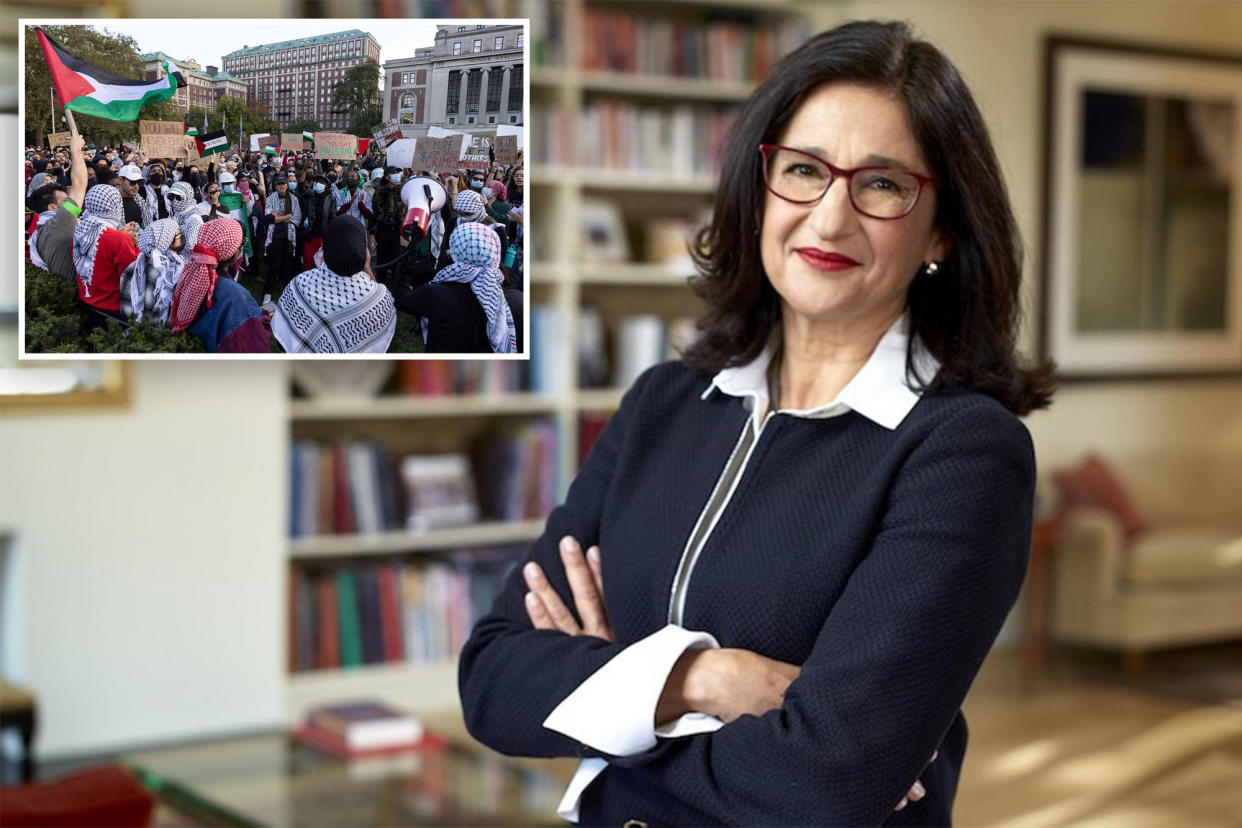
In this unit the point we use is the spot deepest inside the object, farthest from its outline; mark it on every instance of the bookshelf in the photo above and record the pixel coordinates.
(565, 91)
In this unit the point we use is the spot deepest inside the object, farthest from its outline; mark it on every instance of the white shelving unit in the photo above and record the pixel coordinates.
(558, 278)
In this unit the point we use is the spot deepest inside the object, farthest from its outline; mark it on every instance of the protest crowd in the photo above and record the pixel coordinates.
(243, 248)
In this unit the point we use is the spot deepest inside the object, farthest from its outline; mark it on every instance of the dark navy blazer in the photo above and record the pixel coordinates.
(882, 561)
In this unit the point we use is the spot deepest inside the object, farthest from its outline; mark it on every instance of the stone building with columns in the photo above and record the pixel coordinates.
(472, 76)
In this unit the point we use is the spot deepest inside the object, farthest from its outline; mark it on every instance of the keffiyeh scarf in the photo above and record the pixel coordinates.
(219, 239)
(322, 312)
(156, 270)
(475, 249)
(470, 203)
(35, 258)
(186, 213)
(102, 210)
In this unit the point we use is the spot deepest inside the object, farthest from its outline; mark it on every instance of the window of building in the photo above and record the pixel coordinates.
(500, 43)
(457, 48)
(453, 99)
(470, 120)
(491, 119)
(452, 120)
(479, 26)
(474, 85)
(461, 28)
(513, 119)
(495, 83)
(521, 35)
(407, 101)
(515, 87)
(407, 117)
(478, 45)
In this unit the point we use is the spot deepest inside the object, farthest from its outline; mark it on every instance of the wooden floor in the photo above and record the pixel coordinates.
(1093, 753)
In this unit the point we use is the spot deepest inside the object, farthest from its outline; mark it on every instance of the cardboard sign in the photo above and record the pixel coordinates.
(255, 145)
(385, 131)
(165, 139)
(436, 155)
(506, 149)
(338, 145)
(201, 164)
(58, 139)
(401, 153)
(290, 142)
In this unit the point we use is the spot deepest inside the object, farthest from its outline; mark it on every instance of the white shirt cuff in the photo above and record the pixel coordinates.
(613, 711)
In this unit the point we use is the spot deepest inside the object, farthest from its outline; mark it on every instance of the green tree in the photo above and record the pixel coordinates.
(194, 117)
(260, 120)
(229, 114)
(302, 124)
(115, 52)
(358, 96)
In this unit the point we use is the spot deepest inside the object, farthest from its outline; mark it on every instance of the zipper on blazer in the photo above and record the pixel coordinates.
(721, 494)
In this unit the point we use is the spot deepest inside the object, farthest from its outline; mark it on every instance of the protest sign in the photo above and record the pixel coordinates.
(436, 155)
(164, 139)
(201, 164)
(401, 153)
(506, 149)
(509, 129)
(387, 132)
(338, 145)
(255, 145)
(58, 139)
(291, 142)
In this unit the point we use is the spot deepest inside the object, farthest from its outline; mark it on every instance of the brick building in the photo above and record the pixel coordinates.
(204, 88)
(294, 79)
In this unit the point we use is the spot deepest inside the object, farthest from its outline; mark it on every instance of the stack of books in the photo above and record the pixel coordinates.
(359, 729)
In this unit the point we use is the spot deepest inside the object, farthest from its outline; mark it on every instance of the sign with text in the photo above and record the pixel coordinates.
(257, 142)
(164, 139)
(436, 155)
(338, 145)
(58, 139)
(291, 142)
(386, 132)
(506, 149)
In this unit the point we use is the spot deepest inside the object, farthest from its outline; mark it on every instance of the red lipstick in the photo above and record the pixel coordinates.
(824, 260)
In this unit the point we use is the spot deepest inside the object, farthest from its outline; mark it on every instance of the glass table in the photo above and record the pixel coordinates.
(272, 779)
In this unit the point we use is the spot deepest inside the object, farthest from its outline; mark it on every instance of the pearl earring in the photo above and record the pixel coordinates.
(930, 268)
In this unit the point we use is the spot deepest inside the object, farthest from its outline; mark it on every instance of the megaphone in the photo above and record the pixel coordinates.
(422, 196)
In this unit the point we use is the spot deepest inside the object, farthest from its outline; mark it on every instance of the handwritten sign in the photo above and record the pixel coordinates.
(506, 149)
(164, 139)
(336, 145)
(387, 132)
(257, 143)
(58, 139)
(291, 142)
(436, 155)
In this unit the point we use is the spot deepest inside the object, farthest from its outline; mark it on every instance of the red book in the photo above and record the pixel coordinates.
(390, 614)
(329, 656)
(344, 513)
(327, 476)
(331, 743)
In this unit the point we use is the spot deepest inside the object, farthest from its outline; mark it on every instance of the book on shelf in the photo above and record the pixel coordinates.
(638, 342)
(685, 141)
(590, 426)
(366, 725)
(547, 342)
(342, 488)
(439, 492)
(392, 611)
(730, 51)
(555, 126)
(438, 378)
(518, 470)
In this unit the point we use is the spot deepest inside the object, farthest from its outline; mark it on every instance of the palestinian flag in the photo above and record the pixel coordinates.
(212, 143)
(191, 131)
(236, 205)
(306, 133)
(270, 150)
(93, 90)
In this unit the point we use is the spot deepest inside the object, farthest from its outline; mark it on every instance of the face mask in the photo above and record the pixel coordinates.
(331, 178)
(487, 192)
(228, 188)
(176, 175)
(155, 179)
(319, 187)
(352, 185)
(476, 185)
(293, 185)
(395, 178)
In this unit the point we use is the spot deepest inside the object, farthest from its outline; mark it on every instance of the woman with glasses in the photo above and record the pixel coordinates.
(802, 538)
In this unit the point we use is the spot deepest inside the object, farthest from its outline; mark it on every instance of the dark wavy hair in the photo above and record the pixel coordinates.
(967, 314)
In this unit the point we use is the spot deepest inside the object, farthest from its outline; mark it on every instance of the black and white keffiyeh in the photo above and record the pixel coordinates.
(155, 271)
(475, 249)
(102, 210)
(322, 312)
(186, 213)
(471, 205)
(35, 258)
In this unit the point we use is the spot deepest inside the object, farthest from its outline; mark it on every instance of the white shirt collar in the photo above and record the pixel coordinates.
(880, 391)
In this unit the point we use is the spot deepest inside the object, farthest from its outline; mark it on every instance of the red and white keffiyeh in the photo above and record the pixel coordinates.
(219, 239)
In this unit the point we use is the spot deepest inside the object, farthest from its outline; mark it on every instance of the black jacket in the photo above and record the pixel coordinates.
(458, 324)
(882, 561)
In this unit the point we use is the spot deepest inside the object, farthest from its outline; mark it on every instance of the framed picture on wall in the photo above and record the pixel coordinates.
(1142, 242)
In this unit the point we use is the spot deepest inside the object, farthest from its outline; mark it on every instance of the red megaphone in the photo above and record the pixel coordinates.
(422, 196)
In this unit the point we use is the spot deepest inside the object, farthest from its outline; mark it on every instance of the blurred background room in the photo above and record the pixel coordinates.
(197, 558)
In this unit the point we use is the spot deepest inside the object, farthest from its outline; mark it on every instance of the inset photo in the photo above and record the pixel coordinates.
(280, 188)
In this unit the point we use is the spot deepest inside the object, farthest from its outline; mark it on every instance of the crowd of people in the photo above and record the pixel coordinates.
(307, 251)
